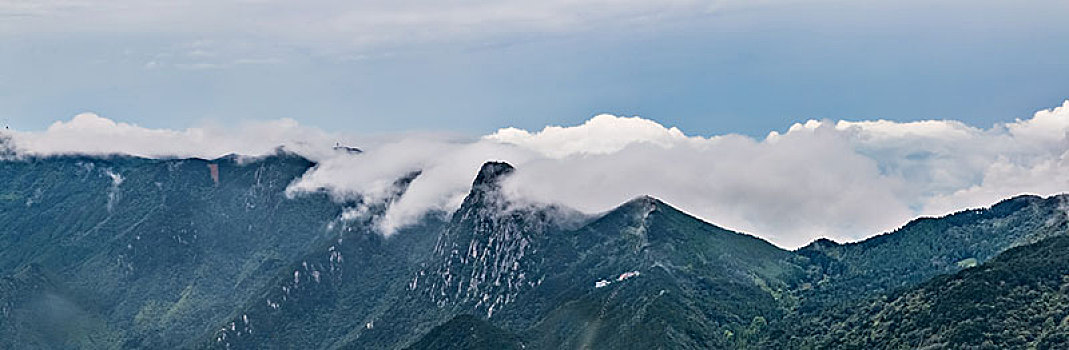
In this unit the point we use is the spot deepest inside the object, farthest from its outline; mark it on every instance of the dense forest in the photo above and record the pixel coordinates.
(1018, 300)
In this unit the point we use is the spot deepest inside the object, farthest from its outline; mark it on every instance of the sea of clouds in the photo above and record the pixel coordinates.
(844, 180)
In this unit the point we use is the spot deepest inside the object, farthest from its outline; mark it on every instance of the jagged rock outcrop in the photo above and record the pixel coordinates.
(491, 250)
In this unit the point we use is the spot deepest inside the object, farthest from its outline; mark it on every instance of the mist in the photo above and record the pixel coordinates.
(844, 180)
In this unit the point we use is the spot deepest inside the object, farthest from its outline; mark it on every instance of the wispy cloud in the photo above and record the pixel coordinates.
(347, 23)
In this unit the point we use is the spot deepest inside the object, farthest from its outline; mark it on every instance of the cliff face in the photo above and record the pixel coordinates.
(489, 253)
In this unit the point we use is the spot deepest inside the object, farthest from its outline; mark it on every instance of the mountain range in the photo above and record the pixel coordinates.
(127, 252)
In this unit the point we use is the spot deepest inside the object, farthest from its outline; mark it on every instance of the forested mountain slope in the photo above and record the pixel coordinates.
(1019, 300)
(927, 247)
(125, 252)
(130, 252)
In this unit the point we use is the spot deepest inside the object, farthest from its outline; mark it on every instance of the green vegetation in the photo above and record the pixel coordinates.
(925, 248)
(467, 332)
(1019, 300)
(122, 252)
(143, 253)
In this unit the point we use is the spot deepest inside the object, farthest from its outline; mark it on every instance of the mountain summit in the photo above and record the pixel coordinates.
(485, 190)
(491, 173)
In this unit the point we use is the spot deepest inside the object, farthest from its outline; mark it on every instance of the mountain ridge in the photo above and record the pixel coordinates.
(226, 249)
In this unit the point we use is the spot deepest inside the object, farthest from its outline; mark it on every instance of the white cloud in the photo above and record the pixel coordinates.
(89, 133)
(448, 167)
(603, 134)
(791, 189)
(844, 180)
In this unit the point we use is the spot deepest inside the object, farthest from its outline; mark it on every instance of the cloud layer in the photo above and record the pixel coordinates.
(840, 179)
(88, 133)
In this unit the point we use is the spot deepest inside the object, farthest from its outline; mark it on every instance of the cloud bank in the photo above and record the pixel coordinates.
(88, 133)
(845, 180)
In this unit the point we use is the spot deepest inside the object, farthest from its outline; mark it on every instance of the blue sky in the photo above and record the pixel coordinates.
(433, 86)
(471, 67)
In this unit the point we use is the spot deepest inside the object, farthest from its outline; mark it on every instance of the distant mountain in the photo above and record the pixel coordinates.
(1019, 300)
(927, 247)
(130, 252)
(123, 252)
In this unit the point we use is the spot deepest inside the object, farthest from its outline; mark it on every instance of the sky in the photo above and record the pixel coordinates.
(471, 67)
(790, 120)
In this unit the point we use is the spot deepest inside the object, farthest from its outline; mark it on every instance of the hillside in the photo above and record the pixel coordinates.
(926, 247)
(1019, 300)
(124, 252)
(470, 333)
(530, 270)
(145, 253)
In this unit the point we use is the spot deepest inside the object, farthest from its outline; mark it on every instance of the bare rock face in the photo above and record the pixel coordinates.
(489, 253)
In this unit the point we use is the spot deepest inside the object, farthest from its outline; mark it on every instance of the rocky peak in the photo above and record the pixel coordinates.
(491, 173)
(488, 254)
(485, 188)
